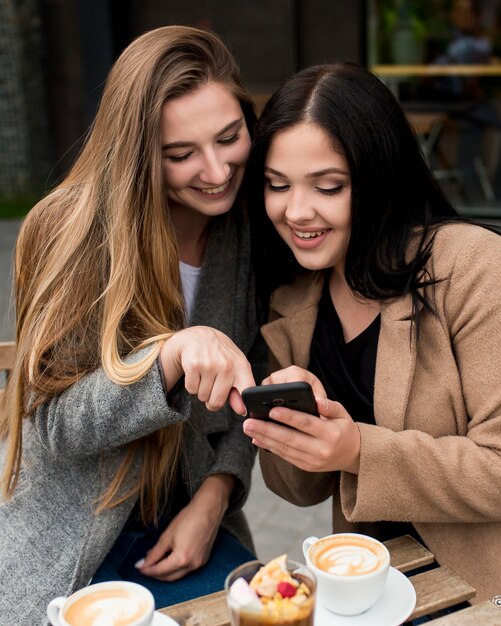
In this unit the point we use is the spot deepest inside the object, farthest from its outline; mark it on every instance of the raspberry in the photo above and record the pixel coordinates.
(286, 590)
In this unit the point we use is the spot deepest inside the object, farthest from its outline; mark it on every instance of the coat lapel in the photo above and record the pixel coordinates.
(395, 362)
(289, 336)
(295, 307)
(219, 275)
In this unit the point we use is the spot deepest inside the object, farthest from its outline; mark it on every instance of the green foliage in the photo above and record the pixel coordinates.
(16, 206)
(424, 20)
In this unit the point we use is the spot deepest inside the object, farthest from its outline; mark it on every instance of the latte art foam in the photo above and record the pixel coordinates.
(107, 607)
(347, 556)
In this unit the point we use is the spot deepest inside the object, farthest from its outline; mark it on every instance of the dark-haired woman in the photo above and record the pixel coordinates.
(390, 306)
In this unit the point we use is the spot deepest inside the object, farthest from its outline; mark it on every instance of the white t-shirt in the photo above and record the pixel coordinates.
(190, 277)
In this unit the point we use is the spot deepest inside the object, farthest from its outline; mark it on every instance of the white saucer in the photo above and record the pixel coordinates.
(159, 619)
(392, 608)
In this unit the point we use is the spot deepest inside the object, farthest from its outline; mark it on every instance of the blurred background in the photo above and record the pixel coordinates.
(441, 58)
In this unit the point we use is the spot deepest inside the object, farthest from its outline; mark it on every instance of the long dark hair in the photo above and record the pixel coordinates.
(394, 194)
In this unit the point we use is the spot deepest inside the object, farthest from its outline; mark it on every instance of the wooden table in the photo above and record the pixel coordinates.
(436, 589)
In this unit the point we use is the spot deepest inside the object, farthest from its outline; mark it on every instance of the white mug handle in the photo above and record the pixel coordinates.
(307, 543)
(53, 609)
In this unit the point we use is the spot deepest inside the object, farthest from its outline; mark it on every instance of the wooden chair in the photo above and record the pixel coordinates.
(7, 353)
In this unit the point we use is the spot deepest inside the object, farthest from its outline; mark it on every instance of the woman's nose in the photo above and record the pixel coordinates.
(299, 207)
(216, 170)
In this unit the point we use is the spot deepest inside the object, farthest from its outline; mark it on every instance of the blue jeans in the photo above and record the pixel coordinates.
(227, 553)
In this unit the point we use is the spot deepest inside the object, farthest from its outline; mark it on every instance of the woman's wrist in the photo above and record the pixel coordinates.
(353, 466)
(170, 363)
(215, 492)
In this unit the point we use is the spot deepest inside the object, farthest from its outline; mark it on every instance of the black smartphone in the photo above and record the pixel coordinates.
(261, 399)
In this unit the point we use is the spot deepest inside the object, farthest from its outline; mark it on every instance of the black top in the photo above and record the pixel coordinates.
(347, 372)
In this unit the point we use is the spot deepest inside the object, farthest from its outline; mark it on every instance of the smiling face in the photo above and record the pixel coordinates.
(308, 196)
(205, 145)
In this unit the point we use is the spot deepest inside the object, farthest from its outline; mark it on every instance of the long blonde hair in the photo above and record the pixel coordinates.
(96, 264)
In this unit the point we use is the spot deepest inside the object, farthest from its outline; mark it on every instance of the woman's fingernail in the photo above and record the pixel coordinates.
(139, 564)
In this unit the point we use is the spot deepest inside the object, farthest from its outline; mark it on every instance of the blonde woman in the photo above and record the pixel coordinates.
(133, 291)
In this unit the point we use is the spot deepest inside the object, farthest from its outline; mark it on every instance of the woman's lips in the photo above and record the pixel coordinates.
(215, 193)
(309, 234)
(309, 239)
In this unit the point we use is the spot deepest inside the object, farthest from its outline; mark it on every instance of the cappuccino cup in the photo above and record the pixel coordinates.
(351, 571)
(114, 603)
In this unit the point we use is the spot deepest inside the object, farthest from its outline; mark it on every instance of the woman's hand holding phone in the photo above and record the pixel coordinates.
(294, 374)
(327, 443)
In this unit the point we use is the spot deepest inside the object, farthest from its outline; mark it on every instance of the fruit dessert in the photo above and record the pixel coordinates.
(274, 596)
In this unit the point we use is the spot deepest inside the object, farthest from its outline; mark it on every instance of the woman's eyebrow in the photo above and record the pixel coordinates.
(230, 126)
(327, 170)
(186, 144)
(270, 170)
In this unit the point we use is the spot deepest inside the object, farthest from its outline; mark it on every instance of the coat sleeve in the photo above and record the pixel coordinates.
(295, 485)
(233, 454)
(233, 450)
(97, 415)
(413, 476)
(219, 438)
(286, 480)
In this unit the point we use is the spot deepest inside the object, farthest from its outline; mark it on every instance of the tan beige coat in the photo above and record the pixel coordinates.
(434, 457)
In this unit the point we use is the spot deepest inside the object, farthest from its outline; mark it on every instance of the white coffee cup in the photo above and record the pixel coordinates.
(351, 570)
(123, 599)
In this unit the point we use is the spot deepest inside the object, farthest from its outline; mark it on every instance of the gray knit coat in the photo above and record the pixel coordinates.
(51, 542)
